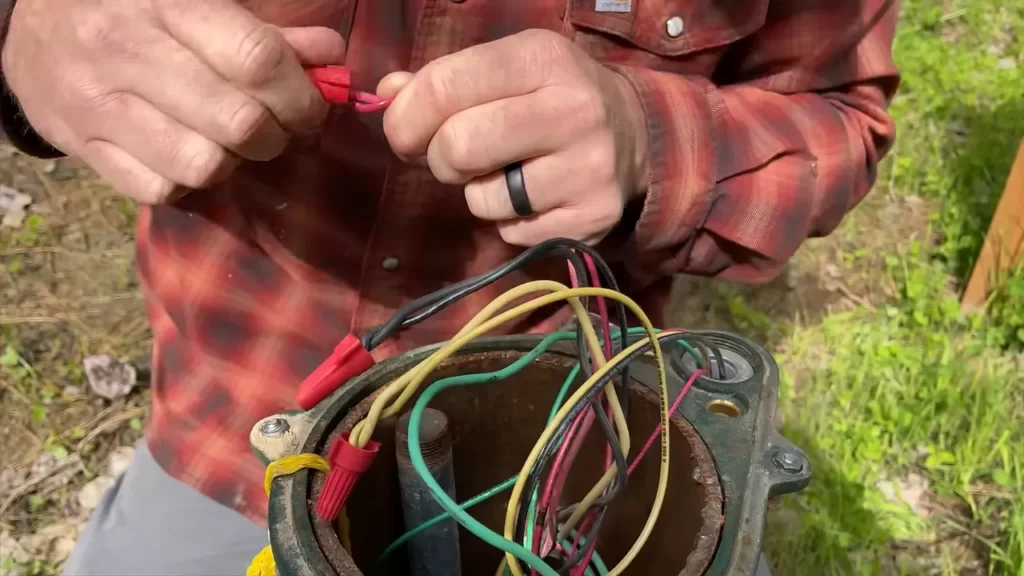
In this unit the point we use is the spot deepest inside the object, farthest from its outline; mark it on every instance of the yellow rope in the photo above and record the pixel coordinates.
(263, 563)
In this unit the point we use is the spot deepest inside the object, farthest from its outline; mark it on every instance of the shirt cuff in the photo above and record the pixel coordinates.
(682, 113)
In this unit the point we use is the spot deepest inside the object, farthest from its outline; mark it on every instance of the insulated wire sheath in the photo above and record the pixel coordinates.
(595, 492)
(416, 453)
(416, 457)
(406, 385)
(471, 379)
(516, 367)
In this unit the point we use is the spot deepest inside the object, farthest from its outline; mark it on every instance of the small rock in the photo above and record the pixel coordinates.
(914, 491)
(62, 548)
(52, 543)
(12, 200)
(1006, 64)
(13, 219)
(72, 392)
(11, 547)
(46, 463)
(91, 494)
(119, 460)
(9, 479)
(49, 167)
(108, 377)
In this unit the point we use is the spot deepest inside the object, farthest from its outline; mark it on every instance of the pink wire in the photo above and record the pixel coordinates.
(581, 426)
(592, 546)
(672, 410)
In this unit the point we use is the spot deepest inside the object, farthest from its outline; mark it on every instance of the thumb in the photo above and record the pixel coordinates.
(392, 84)
(315, 45)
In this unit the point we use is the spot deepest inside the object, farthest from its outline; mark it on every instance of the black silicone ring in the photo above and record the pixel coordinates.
(517, 189)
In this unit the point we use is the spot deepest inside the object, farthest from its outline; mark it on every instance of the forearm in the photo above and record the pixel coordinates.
(741, 174)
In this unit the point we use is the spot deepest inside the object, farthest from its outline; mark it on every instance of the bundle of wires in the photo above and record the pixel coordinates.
(540, 532)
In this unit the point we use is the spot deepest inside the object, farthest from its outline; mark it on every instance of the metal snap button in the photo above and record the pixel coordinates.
(674, 26)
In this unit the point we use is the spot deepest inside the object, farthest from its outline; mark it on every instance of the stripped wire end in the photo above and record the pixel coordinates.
(335, 85)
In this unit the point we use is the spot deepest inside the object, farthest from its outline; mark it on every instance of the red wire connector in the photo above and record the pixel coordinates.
(348, 360)
(335, 84)
(348, 463)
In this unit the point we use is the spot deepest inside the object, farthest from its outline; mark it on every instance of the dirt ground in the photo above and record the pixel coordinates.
(69, 291)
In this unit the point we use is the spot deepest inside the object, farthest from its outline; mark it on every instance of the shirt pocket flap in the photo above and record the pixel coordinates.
(671, 27)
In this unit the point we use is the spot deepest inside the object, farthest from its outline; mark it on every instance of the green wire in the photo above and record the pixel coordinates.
(507, 484)
(532, 510)
(472, 379)
(416, 454)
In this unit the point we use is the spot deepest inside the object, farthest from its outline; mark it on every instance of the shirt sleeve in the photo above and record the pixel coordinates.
(742, 170)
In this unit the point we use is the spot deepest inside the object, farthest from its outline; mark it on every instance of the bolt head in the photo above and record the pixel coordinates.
(788, 462)
(274, 427)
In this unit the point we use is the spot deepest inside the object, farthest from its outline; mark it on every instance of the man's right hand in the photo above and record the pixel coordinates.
(164, 95)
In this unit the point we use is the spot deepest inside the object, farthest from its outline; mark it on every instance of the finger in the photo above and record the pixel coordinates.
(186, 89)
(551, 181)
(125, 173)
(315, 45)
(161, 143)
(465, 79)
(485, 138)
(390, 85)
(250, 54)
(558, 223)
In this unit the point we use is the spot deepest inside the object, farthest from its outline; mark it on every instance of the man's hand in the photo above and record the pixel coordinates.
(534, 97)
(163, 95)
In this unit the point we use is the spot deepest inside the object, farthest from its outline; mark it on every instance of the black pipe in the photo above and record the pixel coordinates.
(434, 551)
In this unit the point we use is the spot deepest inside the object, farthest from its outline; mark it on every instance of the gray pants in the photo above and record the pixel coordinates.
(149, 524)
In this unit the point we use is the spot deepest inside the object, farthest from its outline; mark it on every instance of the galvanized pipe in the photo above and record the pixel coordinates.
(434, 551)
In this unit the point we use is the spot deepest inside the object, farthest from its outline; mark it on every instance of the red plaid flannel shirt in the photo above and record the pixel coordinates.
(767, 120)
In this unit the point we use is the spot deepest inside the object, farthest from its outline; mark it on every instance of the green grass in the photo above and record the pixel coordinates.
(914, 387)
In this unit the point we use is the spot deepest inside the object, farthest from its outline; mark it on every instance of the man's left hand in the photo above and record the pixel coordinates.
(577, 126)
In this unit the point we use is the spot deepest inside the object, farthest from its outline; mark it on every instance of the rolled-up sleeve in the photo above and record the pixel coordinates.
(743, 170)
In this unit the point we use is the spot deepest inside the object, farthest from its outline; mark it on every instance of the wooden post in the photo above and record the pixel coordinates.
(1004, 243)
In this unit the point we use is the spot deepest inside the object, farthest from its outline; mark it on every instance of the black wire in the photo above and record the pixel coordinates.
(603, 423)
(715, 353)
(428, 305)
(551, 446)
(548, 450)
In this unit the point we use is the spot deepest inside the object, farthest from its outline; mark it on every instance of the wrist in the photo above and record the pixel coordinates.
(634, 130)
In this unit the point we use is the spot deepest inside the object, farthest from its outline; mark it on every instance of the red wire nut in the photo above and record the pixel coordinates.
(335, 85)
(349, 359)
(348, 464)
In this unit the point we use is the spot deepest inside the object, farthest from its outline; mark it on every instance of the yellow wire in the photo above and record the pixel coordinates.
(409, 382)
(562, 414)
(263, 563)
(290, 465)
(406, 385)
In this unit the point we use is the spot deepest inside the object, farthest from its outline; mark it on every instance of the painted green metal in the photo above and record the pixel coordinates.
(754, 462)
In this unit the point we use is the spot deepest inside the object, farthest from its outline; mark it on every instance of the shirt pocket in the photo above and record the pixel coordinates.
(683, 36)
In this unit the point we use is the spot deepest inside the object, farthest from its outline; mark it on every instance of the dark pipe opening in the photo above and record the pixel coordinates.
(494, 427)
